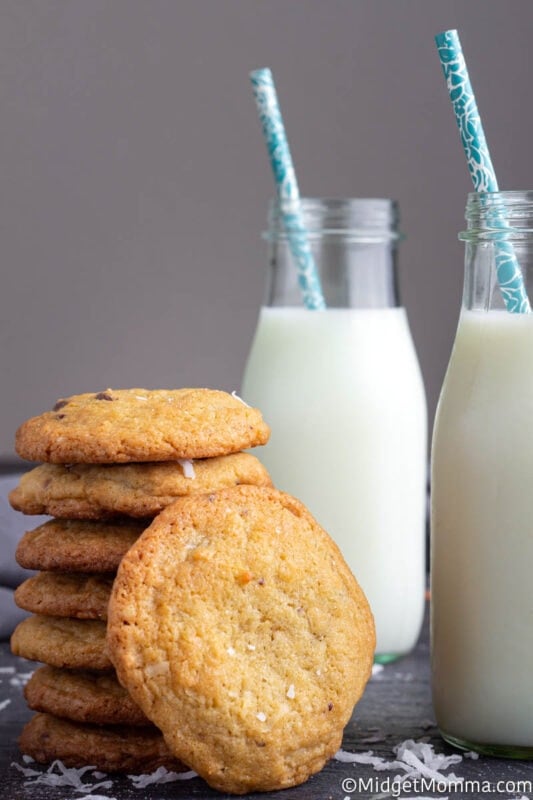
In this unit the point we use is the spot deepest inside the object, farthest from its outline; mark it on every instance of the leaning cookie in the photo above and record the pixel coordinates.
(82, 696)
(68, 545)
(236, 625)
(67, 594)
(124, 425)
(95, 491)
(61, 642)
(111, 748)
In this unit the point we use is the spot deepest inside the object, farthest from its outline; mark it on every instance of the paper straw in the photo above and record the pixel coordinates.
(479, 163)
(287, 187)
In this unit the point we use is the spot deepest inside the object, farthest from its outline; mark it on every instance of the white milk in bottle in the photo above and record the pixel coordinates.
(482, 502)
(343, 394)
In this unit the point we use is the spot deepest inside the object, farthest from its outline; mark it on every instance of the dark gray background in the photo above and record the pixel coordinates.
(135, 182)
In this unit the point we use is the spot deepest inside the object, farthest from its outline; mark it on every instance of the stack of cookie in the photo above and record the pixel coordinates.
(113, 461)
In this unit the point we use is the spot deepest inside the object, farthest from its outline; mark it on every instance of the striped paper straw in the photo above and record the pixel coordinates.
(287, 187)
(479, 162)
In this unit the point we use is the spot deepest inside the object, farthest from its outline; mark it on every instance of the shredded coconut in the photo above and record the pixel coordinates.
(140, 397)
(20, 679)
(58, 774)
(161, 775)
(236, 396)
(291, 694)
(261, 716)
(4, 704)
(415, 759)
(96, 797)
(157, 669)
(250, 646)
(231, 651)
(188, 467)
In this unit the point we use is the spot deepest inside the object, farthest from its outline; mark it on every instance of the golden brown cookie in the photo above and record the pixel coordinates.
(66, 594)
(121, 425)
(82, 696)
(78, 546)
(236, 625)
(111, 749)
(95, 491)
(61, 642)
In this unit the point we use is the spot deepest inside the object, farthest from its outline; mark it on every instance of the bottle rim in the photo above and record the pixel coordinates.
(358, 219)
(498, 216)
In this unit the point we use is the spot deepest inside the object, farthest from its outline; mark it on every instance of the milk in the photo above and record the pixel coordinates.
(482, 534)
(342, 392)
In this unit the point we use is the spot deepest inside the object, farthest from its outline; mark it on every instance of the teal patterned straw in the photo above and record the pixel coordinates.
(287, 187)
(479, 162)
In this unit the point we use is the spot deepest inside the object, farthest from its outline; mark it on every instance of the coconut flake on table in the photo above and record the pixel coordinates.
(58, 774)
(96, 797)
(415, 759)
(188, 467)
(161, 775)
(7, 670)
(4, 704)
(20, 679)
(376, 669)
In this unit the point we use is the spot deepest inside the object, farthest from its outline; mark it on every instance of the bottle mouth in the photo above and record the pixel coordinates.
(359, 219)
(496, 216)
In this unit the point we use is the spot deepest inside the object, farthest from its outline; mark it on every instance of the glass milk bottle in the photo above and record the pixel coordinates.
(482, 499)
(343, 394)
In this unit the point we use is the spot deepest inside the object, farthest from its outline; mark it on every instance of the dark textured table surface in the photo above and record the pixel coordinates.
(396, 707)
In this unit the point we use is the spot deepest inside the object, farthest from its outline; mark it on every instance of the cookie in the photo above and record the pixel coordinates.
(66, 595)
(238, 628)
(82, 696)
(94, 491)
(110, 749)
(122, 425)
(60, 642)
(78, 546)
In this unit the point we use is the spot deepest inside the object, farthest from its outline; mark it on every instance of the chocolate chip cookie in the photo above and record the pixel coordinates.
(112, 748)
(123, 425)
(94, 491)
(82, 696)
(238, 628)
(66, 594)
(61, 642)
(78, 545)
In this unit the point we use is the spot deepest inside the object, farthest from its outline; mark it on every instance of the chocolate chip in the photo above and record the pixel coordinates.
(60, 404)
(60, 416)
(330, 706)
(261, 581)
(103, 396)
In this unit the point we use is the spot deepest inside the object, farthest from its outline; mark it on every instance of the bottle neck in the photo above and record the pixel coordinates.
(354, 247)
(498, 248)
